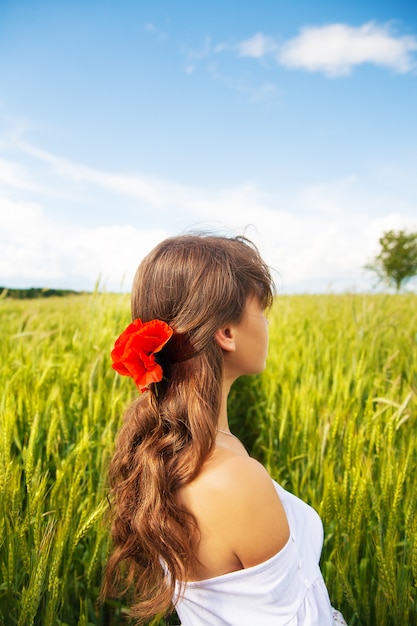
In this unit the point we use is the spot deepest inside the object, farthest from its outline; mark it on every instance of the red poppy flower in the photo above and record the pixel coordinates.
(134, 351)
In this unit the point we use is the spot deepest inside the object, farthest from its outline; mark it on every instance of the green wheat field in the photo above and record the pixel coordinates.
(333, 418)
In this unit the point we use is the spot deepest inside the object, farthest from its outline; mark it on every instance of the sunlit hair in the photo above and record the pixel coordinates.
(197, 284)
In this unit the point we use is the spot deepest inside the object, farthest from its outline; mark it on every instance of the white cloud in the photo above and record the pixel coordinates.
(18, 217)
(257, 46)
(335, 49)
(314, 236)
(332, 49)
(152, 191)
(113, 253)
(15, 175)
(25, 244)
(37, 250)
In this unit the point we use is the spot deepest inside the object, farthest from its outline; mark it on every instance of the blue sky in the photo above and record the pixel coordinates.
(124, 122)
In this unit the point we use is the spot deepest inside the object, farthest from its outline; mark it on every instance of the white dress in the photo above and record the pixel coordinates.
(286, 590)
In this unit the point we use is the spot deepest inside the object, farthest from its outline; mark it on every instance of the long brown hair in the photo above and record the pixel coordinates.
(196, 284)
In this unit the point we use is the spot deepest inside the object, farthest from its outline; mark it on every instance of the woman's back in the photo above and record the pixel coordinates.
(239, 514)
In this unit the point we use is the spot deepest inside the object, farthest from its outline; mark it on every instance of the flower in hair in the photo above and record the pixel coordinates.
(134, 351)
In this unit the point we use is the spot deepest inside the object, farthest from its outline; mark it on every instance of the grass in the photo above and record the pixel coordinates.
(333, 419)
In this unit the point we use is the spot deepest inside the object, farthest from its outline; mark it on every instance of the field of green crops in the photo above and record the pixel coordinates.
(334, 419)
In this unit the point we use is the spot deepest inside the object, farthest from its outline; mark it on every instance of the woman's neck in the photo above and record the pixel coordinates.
(223, 421)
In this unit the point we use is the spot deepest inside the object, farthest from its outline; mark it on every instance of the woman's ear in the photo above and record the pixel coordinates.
(225, 338)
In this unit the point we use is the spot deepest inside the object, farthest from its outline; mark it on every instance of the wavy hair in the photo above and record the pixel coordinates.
(197, 284)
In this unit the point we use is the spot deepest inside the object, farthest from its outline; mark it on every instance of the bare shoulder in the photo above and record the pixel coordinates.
(235, 498)
(226, 472)
(235, 468)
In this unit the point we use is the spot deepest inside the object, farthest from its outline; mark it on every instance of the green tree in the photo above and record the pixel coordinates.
(396, 262)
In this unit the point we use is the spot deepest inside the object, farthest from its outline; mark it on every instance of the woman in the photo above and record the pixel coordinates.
(198, 524)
